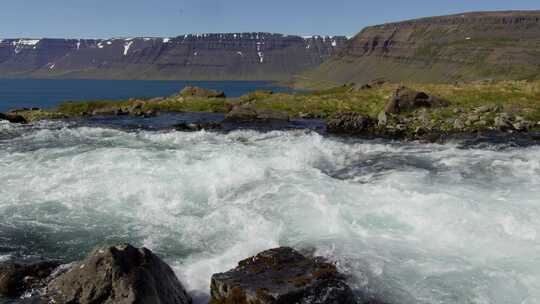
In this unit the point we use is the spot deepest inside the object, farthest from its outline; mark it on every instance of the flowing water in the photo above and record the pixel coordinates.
(407, 222)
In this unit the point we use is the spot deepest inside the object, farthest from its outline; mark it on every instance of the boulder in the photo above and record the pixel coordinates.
(281, 275)
(19, 275)
(246, 113)
(201, 92)
(118, 274)
(349, 123)
(405, 99)
(382, 119)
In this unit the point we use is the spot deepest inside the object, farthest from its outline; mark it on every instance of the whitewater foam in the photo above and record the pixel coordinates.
(410, 223)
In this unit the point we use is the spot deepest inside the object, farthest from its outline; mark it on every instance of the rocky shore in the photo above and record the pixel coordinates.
(376, 109)
(126, 274)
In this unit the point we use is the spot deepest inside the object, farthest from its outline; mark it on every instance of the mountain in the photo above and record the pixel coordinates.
(241, 56)
(470, 46)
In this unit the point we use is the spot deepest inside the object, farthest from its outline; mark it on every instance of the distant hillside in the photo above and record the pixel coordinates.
(242, 56)
(471, 46)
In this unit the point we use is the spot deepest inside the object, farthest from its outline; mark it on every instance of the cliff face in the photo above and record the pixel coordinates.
(243, 56)
(471, 46)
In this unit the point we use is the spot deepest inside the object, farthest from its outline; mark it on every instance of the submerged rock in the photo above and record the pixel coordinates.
(405, 99)
(349, 123)
(281, 275)
(19, 275)
(197, 126)
(118, 274)
(201, 92)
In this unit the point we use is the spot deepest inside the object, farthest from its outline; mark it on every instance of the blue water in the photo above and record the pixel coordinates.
(17, 93)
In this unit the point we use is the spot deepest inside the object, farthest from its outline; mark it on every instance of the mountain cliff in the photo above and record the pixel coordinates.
(470, 46)
(241, 56)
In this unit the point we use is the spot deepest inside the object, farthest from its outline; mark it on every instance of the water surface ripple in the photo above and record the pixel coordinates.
(408, 222)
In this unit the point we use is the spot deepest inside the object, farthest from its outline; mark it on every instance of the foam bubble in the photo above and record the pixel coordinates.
(410, 223)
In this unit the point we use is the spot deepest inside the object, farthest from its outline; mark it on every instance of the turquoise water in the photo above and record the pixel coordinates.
(17, 93)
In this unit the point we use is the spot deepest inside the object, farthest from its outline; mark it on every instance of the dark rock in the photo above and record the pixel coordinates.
(197, 126)
(281, 275)
(13, 118)
(405, 99)
(19, 275)
(248, 113)
(201, 92)
(119, 274)
(349, 123)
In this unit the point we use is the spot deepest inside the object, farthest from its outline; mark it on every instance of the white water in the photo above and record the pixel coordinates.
(410, 223)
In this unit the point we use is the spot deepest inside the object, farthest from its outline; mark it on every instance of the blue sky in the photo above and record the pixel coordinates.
(115, 18)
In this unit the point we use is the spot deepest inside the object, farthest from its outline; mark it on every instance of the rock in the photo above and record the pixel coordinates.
(19, 275)
(459, 124)
(156, 100)
(369, 85)
(197, 126)
(248, 113)
(523, 125)
(503, 123)
(382, 119)
(109, 111)
(487, 108)
(281, 275)
(349, 123)
(13, 118)
(405, 99)
(118, 274)
(201, 92)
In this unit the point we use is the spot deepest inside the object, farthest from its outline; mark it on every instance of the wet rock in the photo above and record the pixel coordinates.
(281, 275)
(19, 275)
(197, 126)
(118, 274)
(201, 92)
(13, 118)
(349, 123)
(248, 113)
(405, 99)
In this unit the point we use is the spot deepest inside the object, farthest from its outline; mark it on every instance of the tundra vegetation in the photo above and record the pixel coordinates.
(471, 106)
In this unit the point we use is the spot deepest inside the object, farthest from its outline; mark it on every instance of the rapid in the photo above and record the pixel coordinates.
(407, 222)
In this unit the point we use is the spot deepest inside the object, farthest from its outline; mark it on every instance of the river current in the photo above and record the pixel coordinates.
(406, 222)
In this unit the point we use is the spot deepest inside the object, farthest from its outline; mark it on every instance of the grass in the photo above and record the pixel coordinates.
(516, 97)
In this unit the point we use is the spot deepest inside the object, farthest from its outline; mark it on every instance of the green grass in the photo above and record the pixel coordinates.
(515, 97)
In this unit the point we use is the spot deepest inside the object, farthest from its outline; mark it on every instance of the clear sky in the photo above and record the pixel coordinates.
(123, 18)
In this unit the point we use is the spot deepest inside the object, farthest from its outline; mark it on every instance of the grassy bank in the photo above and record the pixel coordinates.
(515, 97)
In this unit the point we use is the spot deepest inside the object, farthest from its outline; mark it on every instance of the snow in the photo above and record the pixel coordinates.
(240, 53)
(195, 54)
(100, 45)
(22, 43)
(166, 40)
(78, 45)
(109, 42)
(334, 43)
(261, 57)
(52, 66)
(126, 47)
